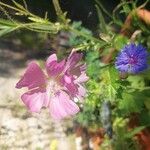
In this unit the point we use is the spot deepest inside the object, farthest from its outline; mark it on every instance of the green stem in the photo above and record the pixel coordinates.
(8, 6)
(57, 7)
(85, 35)
(18, 10)
(103, 8)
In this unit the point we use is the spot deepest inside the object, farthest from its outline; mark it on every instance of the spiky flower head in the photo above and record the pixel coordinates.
(132, 59)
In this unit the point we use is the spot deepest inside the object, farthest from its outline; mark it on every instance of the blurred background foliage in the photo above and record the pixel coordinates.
(118, 103)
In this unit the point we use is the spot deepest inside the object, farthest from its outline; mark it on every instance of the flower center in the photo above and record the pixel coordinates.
(53, 87)
(132, 61)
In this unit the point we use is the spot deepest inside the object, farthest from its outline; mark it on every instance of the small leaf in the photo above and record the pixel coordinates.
(134, 132)
(136, 81)
(38, 20)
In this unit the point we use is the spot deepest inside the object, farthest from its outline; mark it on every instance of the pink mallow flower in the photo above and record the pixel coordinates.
(56, 90)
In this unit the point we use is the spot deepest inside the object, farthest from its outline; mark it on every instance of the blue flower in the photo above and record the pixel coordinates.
(132, 59)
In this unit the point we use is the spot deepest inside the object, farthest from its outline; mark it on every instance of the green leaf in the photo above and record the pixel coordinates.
(38, 20)
(126, 9)
(19, 6)
(110, 81)
(40, 27)
(120, 41)
(102, 8)
(6, 31)
(136, 81)
(134, 132)
(130, 103)
(102, 23)
(7, 23)
(92, 56)
(7, 26)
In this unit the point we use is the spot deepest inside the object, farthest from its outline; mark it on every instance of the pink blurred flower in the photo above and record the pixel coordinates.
(56, 90)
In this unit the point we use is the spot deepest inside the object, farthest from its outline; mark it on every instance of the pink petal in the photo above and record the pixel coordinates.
(73, 59)
(83, 68)
(51, 58)
(68, 82)
(77, 70)
(33, 77)
(53, 67)
(81, 91)
(61, 106)
(35, 99)
(82, 78)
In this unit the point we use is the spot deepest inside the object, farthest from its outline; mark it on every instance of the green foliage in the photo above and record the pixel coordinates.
(123, 138)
